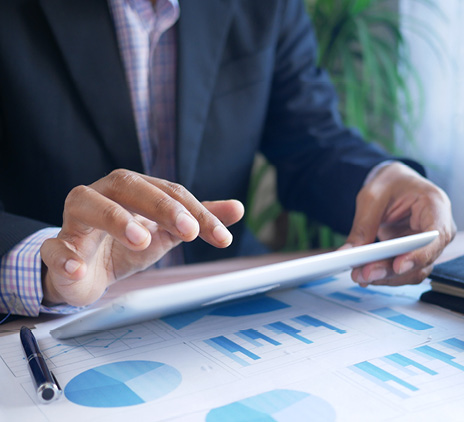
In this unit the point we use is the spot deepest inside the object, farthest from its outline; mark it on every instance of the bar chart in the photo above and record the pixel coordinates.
(415, 376)
(400, 318)
(276, 339)
(391, 306)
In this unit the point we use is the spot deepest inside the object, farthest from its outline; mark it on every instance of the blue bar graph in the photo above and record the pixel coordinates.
(253, 335)
(381, 378)
(412, 369)
(366, 291)
(345, 297)
(269, 338)
(404, 362)
(401, 319)
(455, 344)
(229, 348)
(280, 327)
(438, 354)
(307, 321)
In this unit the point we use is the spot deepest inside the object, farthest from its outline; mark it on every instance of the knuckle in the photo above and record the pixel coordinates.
(202, 216)
(170, 198)
(112, 214)
(121, 179)
(175, 190)
(163, 204)
(76, 195)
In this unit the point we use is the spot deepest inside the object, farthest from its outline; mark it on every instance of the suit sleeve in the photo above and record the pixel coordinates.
(15, 228)
(321, 164)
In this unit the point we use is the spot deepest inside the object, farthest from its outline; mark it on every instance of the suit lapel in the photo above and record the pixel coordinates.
(84, 29)
(203, 26)
(85, 35)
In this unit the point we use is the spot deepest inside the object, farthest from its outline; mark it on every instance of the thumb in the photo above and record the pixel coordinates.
(370, 209)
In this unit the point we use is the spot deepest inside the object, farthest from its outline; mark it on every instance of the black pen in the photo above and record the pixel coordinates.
(45, 382)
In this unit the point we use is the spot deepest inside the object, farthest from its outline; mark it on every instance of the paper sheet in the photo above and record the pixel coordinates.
(323, 352)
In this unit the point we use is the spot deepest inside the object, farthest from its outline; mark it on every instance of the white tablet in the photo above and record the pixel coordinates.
(156, 302)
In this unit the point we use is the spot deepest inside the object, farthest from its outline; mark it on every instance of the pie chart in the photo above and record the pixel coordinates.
(275, 406)
(125, 383)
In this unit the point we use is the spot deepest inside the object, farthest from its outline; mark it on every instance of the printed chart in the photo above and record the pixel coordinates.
(416, 376)
(380, 301)
(246, 346)
(279, 334)
(120, 384)
(276, 405)
(245, 307)
(86, 348)
(314, 353)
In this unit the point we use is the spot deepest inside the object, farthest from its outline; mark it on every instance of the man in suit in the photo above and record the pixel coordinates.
(141, 121)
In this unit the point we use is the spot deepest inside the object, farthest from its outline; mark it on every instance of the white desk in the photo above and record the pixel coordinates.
(328, 351)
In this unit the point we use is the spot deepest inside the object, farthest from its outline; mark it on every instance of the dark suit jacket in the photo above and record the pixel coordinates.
(247, 81)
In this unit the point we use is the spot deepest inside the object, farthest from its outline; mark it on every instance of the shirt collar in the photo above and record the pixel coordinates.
(163, 14)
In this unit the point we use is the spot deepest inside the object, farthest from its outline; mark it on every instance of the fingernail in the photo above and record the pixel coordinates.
(222, 235)
(186, 224)
(136, 233)
(377, 274)
(71, 266)
(406, 266)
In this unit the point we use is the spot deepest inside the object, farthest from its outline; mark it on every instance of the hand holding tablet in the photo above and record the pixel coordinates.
(165, 300)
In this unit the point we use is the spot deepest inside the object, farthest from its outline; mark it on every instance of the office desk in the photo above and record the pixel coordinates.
(324, 352)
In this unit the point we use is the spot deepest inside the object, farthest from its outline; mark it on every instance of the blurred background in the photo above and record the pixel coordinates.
(398, 66)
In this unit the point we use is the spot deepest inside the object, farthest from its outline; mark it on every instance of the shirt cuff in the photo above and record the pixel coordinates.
(21, 278)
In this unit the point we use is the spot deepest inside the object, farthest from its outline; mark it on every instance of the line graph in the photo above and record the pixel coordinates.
(61, 353)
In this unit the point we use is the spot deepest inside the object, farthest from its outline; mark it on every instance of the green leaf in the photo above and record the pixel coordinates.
(360, 5)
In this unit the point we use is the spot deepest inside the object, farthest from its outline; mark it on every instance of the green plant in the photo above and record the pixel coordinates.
(362, 47)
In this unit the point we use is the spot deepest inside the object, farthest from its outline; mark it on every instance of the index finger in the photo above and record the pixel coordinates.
(211, 228)
(169, 204)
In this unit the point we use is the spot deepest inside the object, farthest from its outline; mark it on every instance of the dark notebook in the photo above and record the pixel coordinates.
(447, 285)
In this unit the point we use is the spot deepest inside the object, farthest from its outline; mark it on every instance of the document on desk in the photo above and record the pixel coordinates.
(326, 351)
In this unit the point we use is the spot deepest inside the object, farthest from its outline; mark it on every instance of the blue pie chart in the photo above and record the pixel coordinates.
(125, 383)
(275, 406)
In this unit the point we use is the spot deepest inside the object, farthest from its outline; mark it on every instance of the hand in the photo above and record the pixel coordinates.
(121, 224)
(398, 202)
